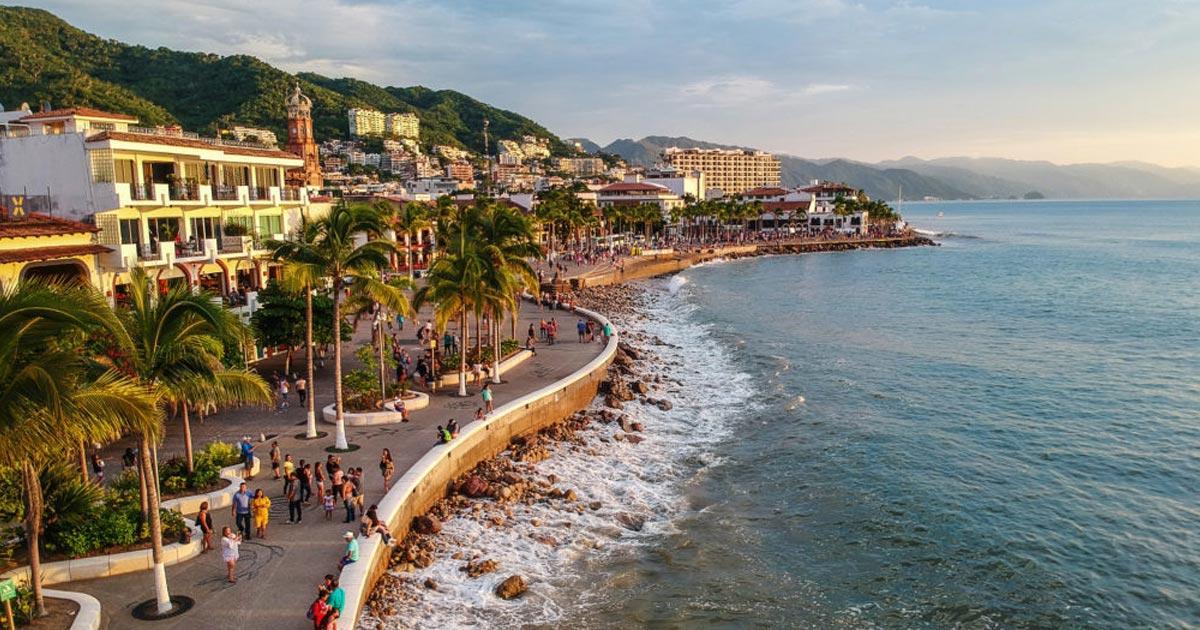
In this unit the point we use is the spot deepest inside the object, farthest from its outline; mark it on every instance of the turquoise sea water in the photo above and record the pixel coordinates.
(1000, 432)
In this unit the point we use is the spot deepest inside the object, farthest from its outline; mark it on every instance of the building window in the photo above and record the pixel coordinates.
(131, 232)
(102, 165)
(269, 226)
(206, 227)
(102, 126)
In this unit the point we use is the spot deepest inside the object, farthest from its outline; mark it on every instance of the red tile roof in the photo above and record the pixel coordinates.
(633, 187)
(29, 254)
(765, 191)
(784, 206)
(829, 187)
(86, 112)
(188, 142)
(36, 224)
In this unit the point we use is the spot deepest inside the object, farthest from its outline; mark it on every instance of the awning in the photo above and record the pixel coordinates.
(31, 254)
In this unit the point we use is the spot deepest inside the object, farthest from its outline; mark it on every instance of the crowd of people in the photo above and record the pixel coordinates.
(304, 486)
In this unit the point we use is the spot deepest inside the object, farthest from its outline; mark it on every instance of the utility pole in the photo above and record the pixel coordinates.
(487, 158)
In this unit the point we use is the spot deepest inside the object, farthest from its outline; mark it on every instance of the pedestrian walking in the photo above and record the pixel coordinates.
(348, 499)
(387, 468)
(302, 390)
(98, 468)
(261, 508)
(204, 522)
(328, 503)
(295, 507)
(241, 511)
(128, 459)
(275, 458)
(486, 395)
(283, 393)
(229, 552)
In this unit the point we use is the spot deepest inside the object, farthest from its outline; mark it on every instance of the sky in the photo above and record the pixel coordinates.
(1059, 80)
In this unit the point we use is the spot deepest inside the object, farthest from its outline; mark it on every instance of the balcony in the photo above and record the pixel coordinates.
(236, 245)
(185, 191)
(260, 193)
(204, 249)
(141, 192)
(226, 193)
(155, 253)
(291, 193)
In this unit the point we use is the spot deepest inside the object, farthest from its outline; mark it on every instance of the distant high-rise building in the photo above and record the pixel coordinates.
(254, 134)
(365, 122)
(405, 125)
(582, 167)
(733, 171)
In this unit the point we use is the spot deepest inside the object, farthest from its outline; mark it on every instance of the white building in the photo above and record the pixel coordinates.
(403, 125)
(254, 134)
(434, 187)
(366, 122)
(636, 193)
(163, 199)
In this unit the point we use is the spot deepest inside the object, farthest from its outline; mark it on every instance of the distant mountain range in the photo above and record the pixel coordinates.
(45, 59)
(955, 177)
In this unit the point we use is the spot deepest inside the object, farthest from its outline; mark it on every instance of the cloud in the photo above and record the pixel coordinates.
(816, 89)
(727, 91)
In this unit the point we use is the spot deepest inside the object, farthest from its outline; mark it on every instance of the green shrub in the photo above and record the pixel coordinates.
(175, 485)
(205, 476)
(222, 454)
(110, 526)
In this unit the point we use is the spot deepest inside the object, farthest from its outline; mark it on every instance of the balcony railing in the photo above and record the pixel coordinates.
(225, 193)
(148, 251)
(291, 193)
(185, 191)
(260, 193)
(141, 192)
(191, 135)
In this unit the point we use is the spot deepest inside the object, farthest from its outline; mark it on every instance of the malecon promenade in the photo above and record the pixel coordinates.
(278, 576)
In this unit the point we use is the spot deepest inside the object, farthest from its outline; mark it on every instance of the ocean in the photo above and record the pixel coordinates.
(1003, 431)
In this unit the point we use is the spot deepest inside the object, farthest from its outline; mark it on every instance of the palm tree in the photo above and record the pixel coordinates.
(48, 403)
(508, 242)
(174, 346)
(337, 252)
(455, 281)
(302, 271)
(408, 220)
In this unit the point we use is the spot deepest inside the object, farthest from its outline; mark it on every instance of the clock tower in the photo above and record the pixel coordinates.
(301, 142)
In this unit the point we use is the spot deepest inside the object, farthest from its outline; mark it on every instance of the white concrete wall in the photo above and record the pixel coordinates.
(29, 165)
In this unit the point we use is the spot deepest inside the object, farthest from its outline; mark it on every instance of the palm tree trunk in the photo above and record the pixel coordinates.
(478, 333)
(143, 493)
(187, 436)
(162, 594)
(33, 530)
(311, 432)
(462, 353)
(408, 255)
(496, 350)
(340, 442)
(83, 462)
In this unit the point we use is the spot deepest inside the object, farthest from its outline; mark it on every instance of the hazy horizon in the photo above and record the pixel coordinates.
(1062, 81)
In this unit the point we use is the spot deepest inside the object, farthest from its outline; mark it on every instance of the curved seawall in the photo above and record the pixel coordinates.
(430, 479)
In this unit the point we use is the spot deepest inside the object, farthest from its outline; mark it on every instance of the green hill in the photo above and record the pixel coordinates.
(44, 59)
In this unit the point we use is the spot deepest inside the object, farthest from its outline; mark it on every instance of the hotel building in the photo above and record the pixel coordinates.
(191, 210)
(732, 171)
(405, 125)
(366, 122)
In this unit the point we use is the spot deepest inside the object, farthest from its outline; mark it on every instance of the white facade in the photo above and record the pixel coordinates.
(403, 125)
(434, 187)
(365, 122)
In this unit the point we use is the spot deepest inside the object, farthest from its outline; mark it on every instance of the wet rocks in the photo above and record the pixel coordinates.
(476, 567)
(426, 524)
(632, 522)
(474, 487)
(512, 587)
(431, 584)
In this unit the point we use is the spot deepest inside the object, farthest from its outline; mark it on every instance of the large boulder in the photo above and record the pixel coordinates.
(474, 487)
(639, 387)
(613, 402)
(620, 390)
(631, 522)
(512, 587)
(426, 524)
(629, 351)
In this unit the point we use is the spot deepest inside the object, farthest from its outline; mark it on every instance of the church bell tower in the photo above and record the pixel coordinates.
(301, 142)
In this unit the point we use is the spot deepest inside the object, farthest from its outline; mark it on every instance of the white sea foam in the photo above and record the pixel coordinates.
(645, 480)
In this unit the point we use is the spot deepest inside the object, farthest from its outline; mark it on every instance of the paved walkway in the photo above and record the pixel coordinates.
(278, 576)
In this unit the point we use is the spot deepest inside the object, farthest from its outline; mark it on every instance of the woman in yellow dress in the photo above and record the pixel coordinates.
(260, 507)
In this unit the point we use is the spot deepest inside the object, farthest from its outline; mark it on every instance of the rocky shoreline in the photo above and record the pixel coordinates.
(500, 493)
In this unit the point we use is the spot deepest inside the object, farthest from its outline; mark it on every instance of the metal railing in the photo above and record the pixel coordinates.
(191, 135)
(260, 193)
(141, 192)
(291, 193)
(225, 193)
(185, 191)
